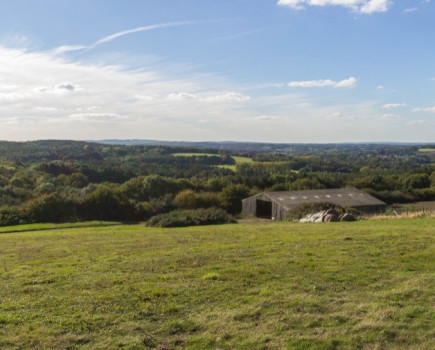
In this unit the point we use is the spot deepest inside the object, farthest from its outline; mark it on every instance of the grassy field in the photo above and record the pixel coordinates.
(427, 150)
(195, 154)
(237, 159)
(43, 227)
(364, 285)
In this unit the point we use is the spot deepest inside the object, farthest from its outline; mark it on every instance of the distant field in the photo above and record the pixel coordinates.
(429, 150)
(237, 159)
(195, 154)
(364, 285)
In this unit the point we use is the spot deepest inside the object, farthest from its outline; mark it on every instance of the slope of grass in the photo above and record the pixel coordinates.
(364, 285)
(51, 226)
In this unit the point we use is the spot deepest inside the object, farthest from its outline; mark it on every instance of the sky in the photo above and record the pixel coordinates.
(292, 71)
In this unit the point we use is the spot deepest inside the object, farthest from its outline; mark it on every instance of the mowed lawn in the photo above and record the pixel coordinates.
(364, 285)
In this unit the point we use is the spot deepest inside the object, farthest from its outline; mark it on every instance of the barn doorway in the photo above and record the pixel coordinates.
(264, 209)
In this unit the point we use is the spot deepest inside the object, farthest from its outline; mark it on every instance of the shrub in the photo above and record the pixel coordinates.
(50, 208)
(180, 218)
(11, 216)
(232, 196)
(105, 203)
(189, 199)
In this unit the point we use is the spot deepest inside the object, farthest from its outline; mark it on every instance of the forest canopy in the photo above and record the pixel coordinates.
(58, 181)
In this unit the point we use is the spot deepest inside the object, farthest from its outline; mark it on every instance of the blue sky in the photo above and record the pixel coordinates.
(246, 70)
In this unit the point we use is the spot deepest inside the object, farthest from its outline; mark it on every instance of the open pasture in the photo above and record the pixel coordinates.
(363, 285)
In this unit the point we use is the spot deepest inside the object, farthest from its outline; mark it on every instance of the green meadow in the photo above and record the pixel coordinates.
(237, 159)
(363, 285)
(192, 154)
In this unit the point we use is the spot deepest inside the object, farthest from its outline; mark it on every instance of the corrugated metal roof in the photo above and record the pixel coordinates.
(344, 197)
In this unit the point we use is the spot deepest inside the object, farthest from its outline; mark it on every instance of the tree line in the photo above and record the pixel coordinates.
(55, 181)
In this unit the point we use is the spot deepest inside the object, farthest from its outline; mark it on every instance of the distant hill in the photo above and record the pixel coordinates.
(256, 147)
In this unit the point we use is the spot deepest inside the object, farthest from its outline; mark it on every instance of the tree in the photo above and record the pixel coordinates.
(232, 196)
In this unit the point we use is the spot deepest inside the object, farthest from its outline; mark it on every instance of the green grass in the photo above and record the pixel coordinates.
(51, 226)
(237, 159)
(427, 150)
(364, 285)
(242, 159)
(195, 154)
(226, 166)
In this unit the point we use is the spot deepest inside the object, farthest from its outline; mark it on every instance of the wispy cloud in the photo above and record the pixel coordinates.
(266, 118)
(229, 96)
(426, 109)
(106, 39)
(346, 83)
(360, 6)
(390, 116)
(339, 116)
(73, 99)
(394, 105)
(410, 10)
(416, 122)
(238, 35)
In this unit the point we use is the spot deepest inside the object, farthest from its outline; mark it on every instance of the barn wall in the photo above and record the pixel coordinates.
(278, 212)
(249, 206)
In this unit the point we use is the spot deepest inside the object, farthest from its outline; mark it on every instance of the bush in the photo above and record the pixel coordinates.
(232, 196)
(189, 199)
(180, 218)
(50, 208)
(11, 216)
(105, 203)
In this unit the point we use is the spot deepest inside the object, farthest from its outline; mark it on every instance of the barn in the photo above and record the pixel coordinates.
(276, 205)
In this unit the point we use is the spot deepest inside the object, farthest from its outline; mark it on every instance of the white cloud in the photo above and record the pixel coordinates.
(410, 10)
(45, 96)
(64, 98)
(228, 97)
(266, 117)
(427, 109)
(180, 96)
(102, 117)
(360, 6)
(346, 83)
(68, 48)
(416, 122)
(380, 87)
(339, 116)
(217, 97)
(145, 97)
(390, 116)
(394, 105)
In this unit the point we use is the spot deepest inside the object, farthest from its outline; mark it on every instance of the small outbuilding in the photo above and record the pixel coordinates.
(276, 205)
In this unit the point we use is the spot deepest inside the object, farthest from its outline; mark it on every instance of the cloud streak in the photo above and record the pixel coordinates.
(426, 109)
(394, 105)
(360, 6)
(106, 39)
(346, 83)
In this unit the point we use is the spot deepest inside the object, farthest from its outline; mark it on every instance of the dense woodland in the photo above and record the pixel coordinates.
(57, 181)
